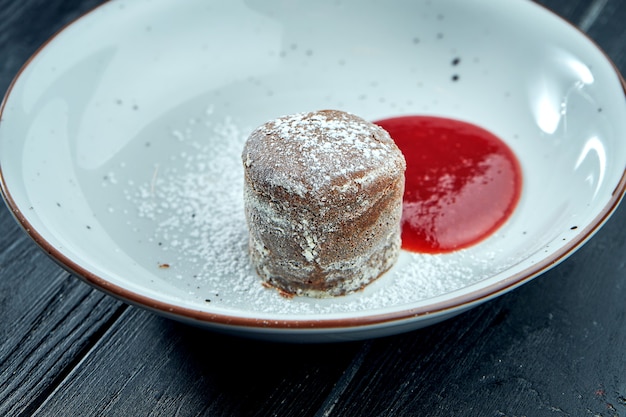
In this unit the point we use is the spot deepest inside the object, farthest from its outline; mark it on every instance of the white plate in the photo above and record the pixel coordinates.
(120, 143)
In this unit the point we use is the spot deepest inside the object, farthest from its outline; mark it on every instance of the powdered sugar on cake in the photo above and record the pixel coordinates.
(308, 161)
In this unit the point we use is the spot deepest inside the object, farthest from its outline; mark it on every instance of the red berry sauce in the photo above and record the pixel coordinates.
(462, 182)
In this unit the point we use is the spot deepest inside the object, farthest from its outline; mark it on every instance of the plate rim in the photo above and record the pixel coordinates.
(447, 306)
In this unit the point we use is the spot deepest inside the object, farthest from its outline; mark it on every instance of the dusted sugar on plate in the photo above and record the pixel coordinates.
(323, 201)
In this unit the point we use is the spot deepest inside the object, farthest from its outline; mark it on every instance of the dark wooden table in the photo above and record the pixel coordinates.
(554, 347)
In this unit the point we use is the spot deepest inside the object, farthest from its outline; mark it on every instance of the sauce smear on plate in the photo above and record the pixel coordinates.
(462, 182)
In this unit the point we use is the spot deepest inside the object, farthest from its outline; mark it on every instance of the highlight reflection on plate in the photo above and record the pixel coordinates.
(120, 150)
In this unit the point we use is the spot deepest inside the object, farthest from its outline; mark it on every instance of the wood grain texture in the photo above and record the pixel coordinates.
(554, 347)
(158, 367)
(48, 319)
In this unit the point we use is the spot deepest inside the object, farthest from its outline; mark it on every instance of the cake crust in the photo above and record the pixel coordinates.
(323, 200)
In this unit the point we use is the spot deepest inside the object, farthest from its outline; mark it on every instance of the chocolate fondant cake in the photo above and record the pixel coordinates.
(323, 199)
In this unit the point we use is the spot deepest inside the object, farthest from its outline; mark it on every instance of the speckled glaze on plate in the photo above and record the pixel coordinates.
(120, 149)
